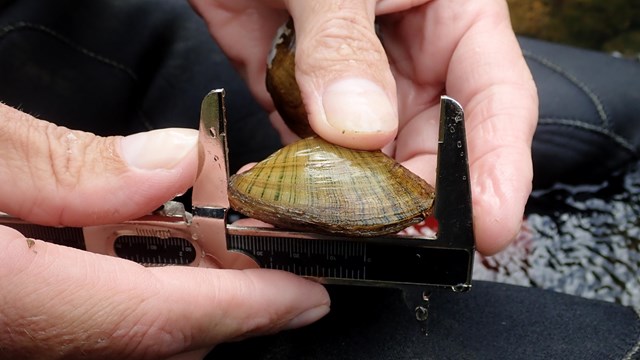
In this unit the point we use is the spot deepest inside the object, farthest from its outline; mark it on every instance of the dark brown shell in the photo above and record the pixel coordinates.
(312, 185)
(281, 82)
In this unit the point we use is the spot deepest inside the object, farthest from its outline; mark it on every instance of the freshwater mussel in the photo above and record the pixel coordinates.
(313, 185)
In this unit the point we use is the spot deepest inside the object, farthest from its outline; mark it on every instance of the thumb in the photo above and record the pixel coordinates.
(343, 73)
(64, 177)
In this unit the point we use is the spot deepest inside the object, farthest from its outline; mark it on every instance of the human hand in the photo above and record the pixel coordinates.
(352, 87)
(62, 302)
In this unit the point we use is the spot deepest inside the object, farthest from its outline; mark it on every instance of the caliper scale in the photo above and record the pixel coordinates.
(203, 237)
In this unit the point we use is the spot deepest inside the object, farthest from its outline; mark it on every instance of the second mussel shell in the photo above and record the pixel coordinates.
(315, 186)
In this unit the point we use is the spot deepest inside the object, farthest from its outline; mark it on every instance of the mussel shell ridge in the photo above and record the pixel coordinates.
(312, 185)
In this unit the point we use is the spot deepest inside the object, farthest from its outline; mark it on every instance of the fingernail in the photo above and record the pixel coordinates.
(158, 149)
(358, 105)
(307, 317)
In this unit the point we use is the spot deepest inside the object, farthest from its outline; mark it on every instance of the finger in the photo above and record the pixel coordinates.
(63, 301)
(286, 135)
(191, 355)
(249, 302)
(246, 167)
(252, 223)
(245, 29)
(501, 107)
(396, 6)
(64, 177)
(495, 87)
(343, 73)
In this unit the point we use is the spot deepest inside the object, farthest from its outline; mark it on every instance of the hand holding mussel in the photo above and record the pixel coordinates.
(313, 185)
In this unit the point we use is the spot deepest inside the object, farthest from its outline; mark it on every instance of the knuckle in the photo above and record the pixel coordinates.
(74, 155)
(339, 39)
(66, 154)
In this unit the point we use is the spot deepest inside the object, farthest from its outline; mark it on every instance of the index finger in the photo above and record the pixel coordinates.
(468, 51)
(502, 111)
